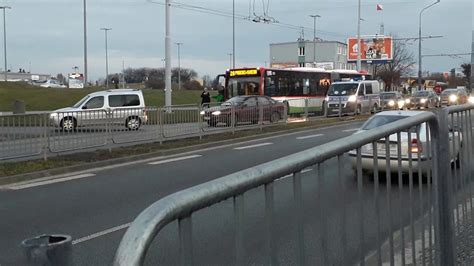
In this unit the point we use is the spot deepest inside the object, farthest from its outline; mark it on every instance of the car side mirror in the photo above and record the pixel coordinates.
(84, 107)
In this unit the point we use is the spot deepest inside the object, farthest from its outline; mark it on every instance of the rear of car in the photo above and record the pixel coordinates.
(407, 153)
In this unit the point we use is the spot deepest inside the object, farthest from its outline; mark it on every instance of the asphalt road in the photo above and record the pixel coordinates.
(96, 208)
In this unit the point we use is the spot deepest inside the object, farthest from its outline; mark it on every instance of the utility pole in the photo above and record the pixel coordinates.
(419, 45)
(5, 39)
(179, 65)
(123, 74)
(168, 55)
(230, 60)
(233, 33)
(106, 58)
(314, 37)
(85, 45)
(359, 46)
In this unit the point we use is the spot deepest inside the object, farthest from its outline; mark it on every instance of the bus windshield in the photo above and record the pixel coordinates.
(243, 86)
(343, 89)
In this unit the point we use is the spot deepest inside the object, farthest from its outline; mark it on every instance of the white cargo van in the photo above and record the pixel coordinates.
(118, 106)
(352, 97)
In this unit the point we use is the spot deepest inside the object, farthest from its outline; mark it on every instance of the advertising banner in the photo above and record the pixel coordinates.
(374, 49)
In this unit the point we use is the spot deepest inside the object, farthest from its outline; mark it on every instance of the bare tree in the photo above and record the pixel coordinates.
(401, 65)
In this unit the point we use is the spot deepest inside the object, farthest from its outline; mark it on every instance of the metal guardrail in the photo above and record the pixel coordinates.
(434, 210)
(34, 134)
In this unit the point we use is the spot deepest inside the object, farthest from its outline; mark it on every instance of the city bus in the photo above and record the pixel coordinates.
(295, 86)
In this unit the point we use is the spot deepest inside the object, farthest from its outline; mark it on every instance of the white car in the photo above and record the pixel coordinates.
(417, 147)
(51, 83)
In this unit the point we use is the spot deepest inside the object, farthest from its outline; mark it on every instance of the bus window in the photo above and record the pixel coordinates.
(243, 86)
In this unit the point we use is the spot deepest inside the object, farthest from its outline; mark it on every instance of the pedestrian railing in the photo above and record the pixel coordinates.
(407, 199)
(58, 132)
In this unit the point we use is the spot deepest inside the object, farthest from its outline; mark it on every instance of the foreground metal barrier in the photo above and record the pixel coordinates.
(403, 226)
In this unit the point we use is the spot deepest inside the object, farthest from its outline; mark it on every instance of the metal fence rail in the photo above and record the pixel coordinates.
(390, 149)
(33, 134)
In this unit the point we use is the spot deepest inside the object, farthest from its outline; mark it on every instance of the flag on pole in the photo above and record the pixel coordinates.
(379, 7)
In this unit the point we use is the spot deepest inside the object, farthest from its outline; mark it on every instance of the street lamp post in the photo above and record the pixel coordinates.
(85, 45)
(233, 33)
(419, 44)
(179, 64)
(5, 39)
(314, 37)
(230, 60)
(106, 58)
(359, 64)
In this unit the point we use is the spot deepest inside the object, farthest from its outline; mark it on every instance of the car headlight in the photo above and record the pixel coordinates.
(216, 113)
(326, 98)
(407, 101)
(453, 98)
(352, 98)
(471, 99)
(423, 100)
(202, 113)
(391, 103)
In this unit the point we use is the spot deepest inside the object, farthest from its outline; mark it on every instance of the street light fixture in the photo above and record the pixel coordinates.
(419, 44)
(5, 38)
(106, 58)
(179, 65)
(314, 37)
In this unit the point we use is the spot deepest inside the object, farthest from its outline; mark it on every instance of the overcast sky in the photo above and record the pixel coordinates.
(49, 33)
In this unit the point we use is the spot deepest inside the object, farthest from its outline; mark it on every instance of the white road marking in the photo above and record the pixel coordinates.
(47, 182)
(176, 159)
(253, 146)
(310, 136)
(101, 233)
(350, 130)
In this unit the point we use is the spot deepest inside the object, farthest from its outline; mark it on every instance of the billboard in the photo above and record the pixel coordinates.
(377, 49)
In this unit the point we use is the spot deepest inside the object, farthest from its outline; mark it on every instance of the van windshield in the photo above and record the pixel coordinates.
(343, 89)
(79, 103)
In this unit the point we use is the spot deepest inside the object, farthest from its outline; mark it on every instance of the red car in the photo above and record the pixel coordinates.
(246, 109)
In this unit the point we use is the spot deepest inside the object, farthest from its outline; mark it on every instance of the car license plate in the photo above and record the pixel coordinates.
(207, 118)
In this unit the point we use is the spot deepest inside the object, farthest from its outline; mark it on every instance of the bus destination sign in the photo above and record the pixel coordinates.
(243, 72)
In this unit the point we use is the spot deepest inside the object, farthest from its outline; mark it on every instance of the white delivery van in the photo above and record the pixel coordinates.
(352, 97)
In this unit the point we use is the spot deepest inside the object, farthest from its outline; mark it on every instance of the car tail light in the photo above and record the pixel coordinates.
(415, 146)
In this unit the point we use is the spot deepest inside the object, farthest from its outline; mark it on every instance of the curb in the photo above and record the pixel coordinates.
(90, 165)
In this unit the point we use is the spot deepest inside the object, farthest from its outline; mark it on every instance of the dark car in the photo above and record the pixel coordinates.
(392, 100)
(454, 96)
(425, 99)
(244, 109)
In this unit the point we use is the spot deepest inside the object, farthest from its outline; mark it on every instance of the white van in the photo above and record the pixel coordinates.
(118, 106)
(353, 96)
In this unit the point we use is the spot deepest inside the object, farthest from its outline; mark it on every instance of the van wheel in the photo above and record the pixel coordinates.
(133, 123)
(68, 124)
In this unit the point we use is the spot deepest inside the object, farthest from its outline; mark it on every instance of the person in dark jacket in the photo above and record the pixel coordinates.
(205, 98)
